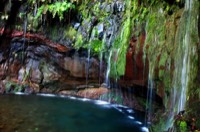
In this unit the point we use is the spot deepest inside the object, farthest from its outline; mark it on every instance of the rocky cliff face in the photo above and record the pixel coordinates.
(50, 58)
(143, 50)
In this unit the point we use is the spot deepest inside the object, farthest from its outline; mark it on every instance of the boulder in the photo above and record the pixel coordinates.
(50, 73)
(93, 93)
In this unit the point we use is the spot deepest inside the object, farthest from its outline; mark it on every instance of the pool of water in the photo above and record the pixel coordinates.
(36, 113)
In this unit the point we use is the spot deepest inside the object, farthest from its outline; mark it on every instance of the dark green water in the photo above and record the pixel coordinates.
(21, 113)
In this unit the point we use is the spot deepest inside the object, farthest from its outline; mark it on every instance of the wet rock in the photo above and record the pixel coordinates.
(14, 68)
(100, 29)
(94, 21)
(78, 67)
(75, 65)
(120, 6)
(57, 86)
(34, 88)
(76, 26)
(2, 88)
(109, 8)
(36, 76)
(3, 68)
(84, 86)
(68, 92)
(57, 58)
(2, 58)
(50, 73)
(28, 90)
(41, 50)
(93, 93)
(46, 90)
(135, 68)
(17, 46)
(21, 74)
(35, 73)
(85, 29)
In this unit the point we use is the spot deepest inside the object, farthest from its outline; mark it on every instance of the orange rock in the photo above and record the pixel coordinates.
(93, 93)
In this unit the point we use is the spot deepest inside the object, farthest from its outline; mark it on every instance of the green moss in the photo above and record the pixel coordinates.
(163, 59)
(70, 33)
(162, 64)
(79, 41)
(181, 126)
(194, 40)
(121, 43)
(96, 45)
(57, 8)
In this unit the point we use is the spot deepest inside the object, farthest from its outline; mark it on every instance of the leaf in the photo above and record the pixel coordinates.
(183, 124)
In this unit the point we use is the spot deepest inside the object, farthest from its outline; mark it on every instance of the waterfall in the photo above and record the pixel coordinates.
(88, 65)
(100, 65)
(88, 56)
(150, 94)
(35, 9)
(184, 59)
(107, 81)
(115, 63)
(101, 49)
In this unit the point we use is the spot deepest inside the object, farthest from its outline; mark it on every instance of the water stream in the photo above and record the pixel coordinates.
(107, 81)
(88, 56)
(101, 54)
(149, 104)
(88, 65)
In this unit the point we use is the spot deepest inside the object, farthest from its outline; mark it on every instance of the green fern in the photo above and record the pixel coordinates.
(57, 8)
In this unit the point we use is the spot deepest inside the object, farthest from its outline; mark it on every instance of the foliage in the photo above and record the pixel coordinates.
(181, 126)
(13, 87)
(79, 41)
(120, 46)
(57, 8)
(96, 45)
(125, 36)
(70, 33)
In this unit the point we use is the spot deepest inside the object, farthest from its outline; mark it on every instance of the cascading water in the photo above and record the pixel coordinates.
(88, 64)
(112, 36)
(100, 66)
(107, 81)
(35, 9)
(155, 39)
(115, 65)
(184, 66)
(149, 94)
(101, 49)
(88, 57)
